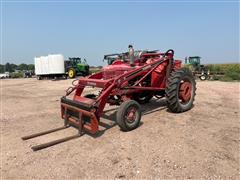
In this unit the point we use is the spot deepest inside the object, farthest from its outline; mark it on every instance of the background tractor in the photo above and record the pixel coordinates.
(75, 66)
(110, 58)
(201, 71)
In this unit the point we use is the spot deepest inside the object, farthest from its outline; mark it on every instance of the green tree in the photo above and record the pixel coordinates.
(8, 67)
(2, 68)
(22, 67)
(31, 67)
(13, 67)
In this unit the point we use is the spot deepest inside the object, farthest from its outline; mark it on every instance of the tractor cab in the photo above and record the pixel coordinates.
(197, 68)
(110, 58)
(77, 66)
(193, 60)
(194, 63)
(76, 61)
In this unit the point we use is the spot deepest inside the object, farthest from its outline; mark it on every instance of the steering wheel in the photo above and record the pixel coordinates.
(168, 51)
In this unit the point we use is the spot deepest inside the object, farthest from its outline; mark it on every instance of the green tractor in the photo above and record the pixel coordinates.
(75, 66)
(110, 58)
(201, 71)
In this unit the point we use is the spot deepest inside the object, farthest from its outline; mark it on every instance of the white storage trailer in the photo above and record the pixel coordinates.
(51, 66)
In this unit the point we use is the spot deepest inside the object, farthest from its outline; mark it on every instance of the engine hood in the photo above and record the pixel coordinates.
(113, 70)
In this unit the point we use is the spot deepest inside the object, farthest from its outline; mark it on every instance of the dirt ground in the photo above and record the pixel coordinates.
(201, 143)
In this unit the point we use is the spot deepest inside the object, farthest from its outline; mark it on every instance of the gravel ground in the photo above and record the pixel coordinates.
(201, 143)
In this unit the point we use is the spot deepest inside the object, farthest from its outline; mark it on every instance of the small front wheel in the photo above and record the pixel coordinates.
(203, 77)
(129, 115)
(39, 77)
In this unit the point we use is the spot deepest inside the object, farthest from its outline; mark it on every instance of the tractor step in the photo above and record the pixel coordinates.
(80, 102)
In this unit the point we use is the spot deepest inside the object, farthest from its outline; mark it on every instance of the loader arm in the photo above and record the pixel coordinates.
(120, 80)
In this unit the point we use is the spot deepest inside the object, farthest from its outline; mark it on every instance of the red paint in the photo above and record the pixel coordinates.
(185, 92)
(120, 81)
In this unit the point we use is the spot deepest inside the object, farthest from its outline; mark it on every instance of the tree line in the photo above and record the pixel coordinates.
(9, 67)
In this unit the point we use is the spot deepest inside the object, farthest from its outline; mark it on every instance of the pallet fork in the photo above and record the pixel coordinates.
(51, 143)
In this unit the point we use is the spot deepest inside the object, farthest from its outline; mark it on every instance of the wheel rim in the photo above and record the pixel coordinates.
(130, 116)
(70, 73)
(185, 91)
(203, 77)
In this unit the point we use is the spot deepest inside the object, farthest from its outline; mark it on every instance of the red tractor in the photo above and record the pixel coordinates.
(153, 74)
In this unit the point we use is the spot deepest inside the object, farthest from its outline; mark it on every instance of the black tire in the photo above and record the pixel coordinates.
(122, 121)
(71, 73)
(85, 74)
(175, 103)
(143, 98)
(64, 76)
(203, 77)
(39, 77)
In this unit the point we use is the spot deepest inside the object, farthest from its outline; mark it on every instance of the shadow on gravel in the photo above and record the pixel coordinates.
(108, 121)
(153, 106)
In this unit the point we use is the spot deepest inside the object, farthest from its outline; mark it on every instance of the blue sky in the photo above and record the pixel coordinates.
(209, 29)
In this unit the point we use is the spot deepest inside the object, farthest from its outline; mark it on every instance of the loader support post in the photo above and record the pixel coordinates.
(169, 67)
(80, 123)
(102, 99)
(66, 117)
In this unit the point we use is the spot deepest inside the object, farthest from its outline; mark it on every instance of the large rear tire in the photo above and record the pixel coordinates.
(181, 90)
(71, 73)
(129, 115)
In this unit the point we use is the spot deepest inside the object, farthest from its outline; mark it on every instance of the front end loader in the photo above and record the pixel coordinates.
(154, 74)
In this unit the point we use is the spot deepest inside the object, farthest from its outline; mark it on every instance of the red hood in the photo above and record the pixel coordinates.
(114, 70)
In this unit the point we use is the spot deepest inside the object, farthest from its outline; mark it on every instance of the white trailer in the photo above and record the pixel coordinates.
(51, 66)
(4, 75)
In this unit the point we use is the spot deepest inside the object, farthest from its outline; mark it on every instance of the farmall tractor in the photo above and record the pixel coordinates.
(155, 74)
